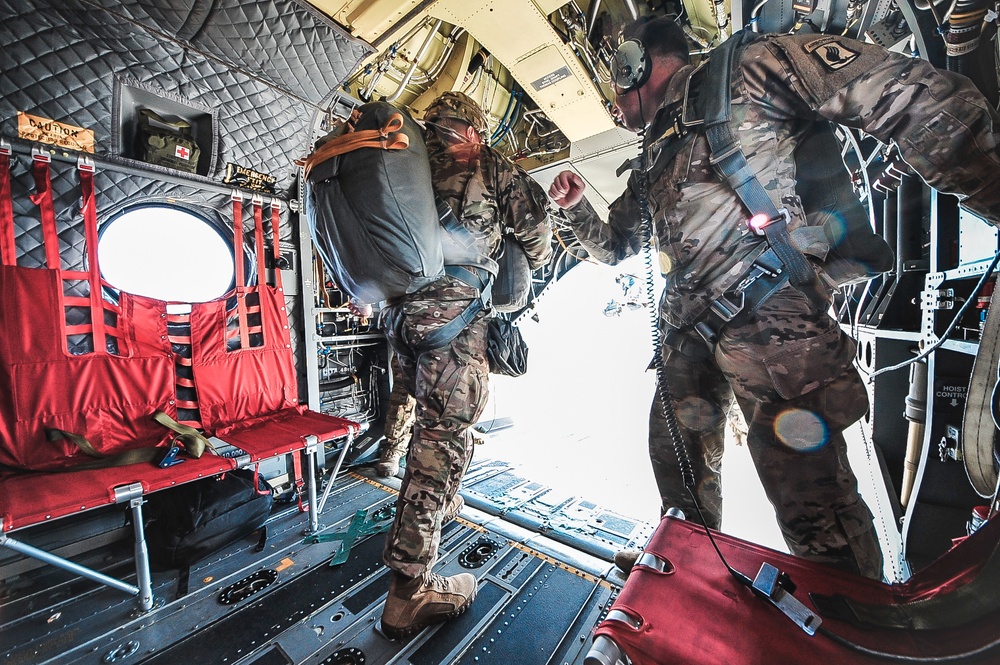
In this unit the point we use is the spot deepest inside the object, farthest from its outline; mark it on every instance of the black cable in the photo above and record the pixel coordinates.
(944, 336)
(662, 386)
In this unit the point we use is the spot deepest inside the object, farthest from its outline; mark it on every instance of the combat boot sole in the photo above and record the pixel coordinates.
(403, 632)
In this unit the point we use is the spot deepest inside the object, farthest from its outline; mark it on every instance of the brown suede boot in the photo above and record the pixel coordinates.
(414, 603)
(388, 463)
(454, 508)
(625, 559)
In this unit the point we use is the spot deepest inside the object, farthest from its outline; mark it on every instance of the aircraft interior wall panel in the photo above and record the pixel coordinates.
(69, 62)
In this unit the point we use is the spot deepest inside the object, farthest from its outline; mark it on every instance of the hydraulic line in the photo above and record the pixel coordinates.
(961, 34)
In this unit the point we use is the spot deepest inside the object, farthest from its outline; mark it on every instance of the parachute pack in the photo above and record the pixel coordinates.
(371, 206)
(375, 219)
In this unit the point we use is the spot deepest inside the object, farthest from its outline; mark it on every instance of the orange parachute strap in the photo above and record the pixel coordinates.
(387, 138)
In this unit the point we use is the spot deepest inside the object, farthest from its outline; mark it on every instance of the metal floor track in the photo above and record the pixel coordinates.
(537, 603)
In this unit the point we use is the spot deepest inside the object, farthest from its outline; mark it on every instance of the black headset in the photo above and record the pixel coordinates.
(631, 66)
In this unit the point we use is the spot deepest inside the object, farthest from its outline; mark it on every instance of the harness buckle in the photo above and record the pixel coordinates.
(726, 309)
(758, 223)
(5, 148)
(40, 155)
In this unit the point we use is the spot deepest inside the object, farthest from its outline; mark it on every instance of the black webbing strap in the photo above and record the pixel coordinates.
(957, 607)
(729, 160)
(478, 278)
(451, 330)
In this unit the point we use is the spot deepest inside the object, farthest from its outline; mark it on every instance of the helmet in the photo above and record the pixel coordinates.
(459, 106)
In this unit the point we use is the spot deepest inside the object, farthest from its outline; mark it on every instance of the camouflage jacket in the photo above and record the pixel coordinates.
(489, 196)
(944, 128)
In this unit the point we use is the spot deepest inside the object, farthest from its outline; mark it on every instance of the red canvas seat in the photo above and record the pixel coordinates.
(681, 605)
(247, 390)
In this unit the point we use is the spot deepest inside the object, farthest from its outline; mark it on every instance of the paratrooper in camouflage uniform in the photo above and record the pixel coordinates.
(450, 383)
(790, 364)
(400, 414)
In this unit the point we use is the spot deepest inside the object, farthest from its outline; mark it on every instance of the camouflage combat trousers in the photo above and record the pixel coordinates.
(400, 413)
(450, 385)
(790, 368)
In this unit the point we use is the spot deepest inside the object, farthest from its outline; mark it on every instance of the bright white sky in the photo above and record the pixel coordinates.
(580, 413)
(167, 254)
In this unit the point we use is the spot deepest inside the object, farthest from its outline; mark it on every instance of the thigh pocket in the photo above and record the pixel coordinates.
(805, 365)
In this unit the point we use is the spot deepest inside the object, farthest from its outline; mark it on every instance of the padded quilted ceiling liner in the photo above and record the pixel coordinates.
(266, 69)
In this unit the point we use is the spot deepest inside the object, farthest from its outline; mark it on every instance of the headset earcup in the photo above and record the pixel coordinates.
(631, 65)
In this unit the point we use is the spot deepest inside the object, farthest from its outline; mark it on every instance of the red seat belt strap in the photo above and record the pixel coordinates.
(89, 210)
(8, 250)
(258, 236)
(241, 282)
(275, 245)
(299, 482)
(43, 199)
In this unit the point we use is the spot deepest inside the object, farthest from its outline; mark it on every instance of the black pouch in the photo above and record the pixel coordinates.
(188, 523)
(166, 143)
(512, 286)
(507, 351)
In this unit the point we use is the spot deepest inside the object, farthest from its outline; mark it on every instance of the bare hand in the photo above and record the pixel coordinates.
(567, 189)
(360, 311)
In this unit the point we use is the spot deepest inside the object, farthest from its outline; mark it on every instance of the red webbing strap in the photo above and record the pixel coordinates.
(43, 199)
(299, 482)
(89, 210)
(258, 237)
(241, 280)
(275, 245)
(8, 250)
(256, 481)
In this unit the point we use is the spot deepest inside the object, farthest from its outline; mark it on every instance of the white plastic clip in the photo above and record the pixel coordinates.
(236, 196)
(257, 200)
(39, 155)
(275, 203)
(85, 163)
(5, 148)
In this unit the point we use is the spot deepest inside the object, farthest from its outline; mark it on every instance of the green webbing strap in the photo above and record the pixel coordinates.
(729, 160)
(54, 434)
(100, 461)
(194, 442)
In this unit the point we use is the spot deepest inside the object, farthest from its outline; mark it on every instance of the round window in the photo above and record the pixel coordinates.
(166, 252)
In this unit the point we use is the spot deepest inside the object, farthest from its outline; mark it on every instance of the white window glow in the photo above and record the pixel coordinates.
(165, 253)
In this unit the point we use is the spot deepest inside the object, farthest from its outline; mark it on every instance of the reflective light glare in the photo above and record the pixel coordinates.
(758, 222)
(801, 430)
(165, 253)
